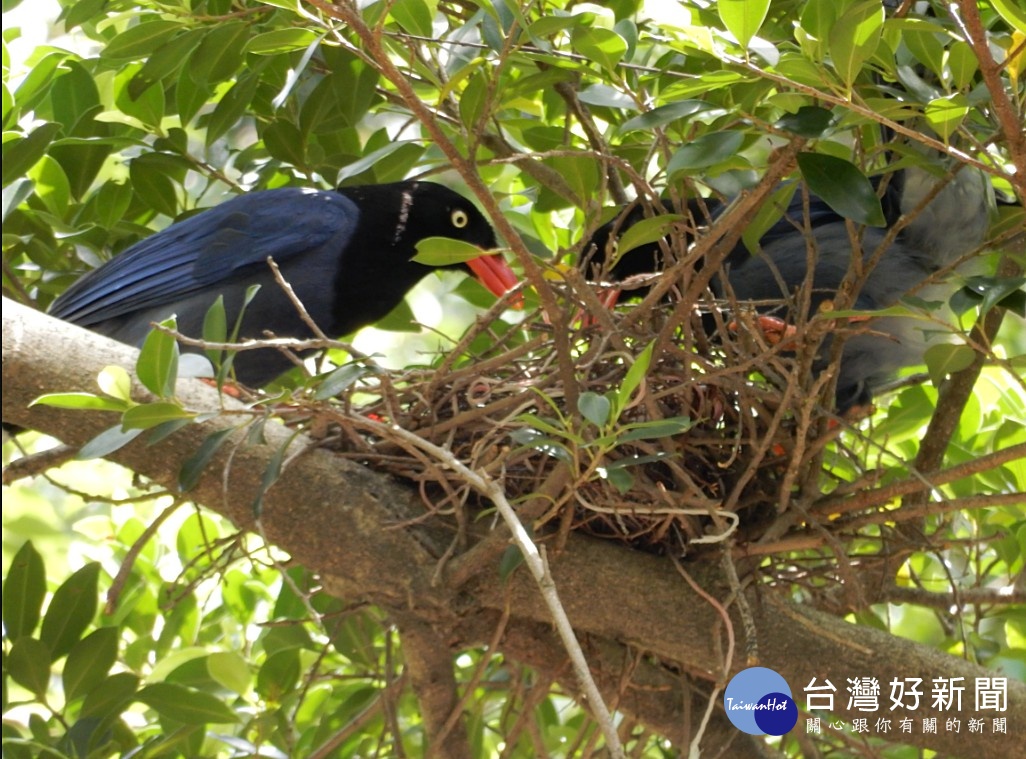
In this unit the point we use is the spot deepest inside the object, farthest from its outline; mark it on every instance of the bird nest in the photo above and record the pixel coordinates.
(667, 427)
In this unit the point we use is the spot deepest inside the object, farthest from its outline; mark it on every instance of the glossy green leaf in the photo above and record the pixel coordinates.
(89, 661)
(809, 121)
(153, 187)
(107, 442)
(219, 55)
(594, 407)
(21, 153)
(28, 664)
(157, 366)
(149, 415)
(140, 40)
(945, 115)
(230, 670)
(605, 47)
(743, 18)
(111, 696)
(634, 377)
(663, 115)
(646, 231)
(1013, 12)
(115, 382)
(280, 41)
(855, 37)
(657, 428)
(339, 380)
(72, 609)
(415, 16)
(51, 185)
(708, 150)
(279, 674)
(944, 359)
(80, 401)
(185, 705)
(232, 107)
(445, 251)
(24, 589)
(196, 464)
(843, 187)
(166, 61)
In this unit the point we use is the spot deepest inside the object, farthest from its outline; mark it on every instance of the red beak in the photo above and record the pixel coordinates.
(493, 272)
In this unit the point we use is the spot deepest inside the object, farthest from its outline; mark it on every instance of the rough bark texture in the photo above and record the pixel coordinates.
(335, 517)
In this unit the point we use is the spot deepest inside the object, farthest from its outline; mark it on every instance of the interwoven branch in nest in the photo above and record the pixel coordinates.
(747, 424)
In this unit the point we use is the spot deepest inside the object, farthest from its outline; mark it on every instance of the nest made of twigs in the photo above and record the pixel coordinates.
(717, 439)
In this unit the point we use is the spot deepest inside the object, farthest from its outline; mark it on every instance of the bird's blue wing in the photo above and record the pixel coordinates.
(212, 247)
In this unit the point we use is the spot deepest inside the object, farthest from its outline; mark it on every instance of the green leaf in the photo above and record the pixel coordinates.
(945, 115)
(51, 185)
(215, 328)
(657, 428)
(110, 697)
(219, 55)
(445, 251)
(620, 479)
(230, 670)
(414, 16)
(854, 38)
(529, 438)
(157, 366)
(944, 359)
(281, 41)
(140, 40)
(23, 592)
(165, 61)
(89, 661)
(663, 115)
(743, 17)
(634, 376)
(115, 382)
(148, 415)
(594, 407)
(843, 187)
(511, 558)
(71, 610)
(708, 150)
(80, 401)
(21, 153)
(232, 107)
(339, 380)
(279, 674)
(107, 442)
(603, 46)
(646, 231)
(185, 705)
(809, 121)
(28, 664)
(153, 187)
(1013, 12)
(271, 474)
(368, 161)
(195, 464)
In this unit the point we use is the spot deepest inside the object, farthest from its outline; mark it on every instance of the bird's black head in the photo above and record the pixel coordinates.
(401, 214)
(395, 217)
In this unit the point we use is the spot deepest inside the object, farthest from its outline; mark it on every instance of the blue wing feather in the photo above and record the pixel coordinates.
(210, 247)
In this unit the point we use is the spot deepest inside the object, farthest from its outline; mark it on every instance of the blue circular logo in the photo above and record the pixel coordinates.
(758, 701)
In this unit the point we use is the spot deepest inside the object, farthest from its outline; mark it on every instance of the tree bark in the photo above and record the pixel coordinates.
(338, 518)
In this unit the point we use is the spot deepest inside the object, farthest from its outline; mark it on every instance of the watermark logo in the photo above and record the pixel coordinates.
(758, 701)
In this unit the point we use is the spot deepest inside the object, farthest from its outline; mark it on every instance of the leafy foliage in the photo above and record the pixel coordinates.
(210, 646)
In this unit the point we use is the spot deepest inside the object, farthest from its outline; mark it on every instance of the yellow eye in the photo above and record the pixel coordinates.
(459, 218)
